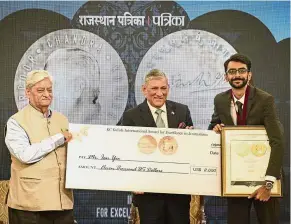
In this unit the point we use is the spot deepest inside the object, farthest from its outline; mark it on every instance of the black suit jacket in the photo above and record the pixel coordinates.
(260, 111)
(141, 115)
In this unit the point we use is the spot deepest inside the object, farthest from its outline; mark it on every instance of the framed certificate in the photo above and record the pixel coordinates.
(245, 157)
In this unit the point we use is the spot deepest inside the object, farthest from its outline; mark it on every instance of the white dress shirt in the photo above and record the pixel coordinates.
(163, 114)
(233, 111)
(19, 145)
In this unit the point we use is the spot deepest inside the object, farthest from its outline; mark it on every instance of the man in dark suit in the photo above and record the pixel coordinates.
(244, 104)
(157, 111)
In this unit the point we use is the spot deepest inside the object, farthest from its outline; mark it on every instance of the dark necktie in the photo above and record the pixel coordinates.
(239, 108)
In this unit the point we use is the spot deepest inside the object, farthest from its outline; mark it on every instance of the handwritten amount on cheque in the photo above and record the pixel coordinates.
(116, 166)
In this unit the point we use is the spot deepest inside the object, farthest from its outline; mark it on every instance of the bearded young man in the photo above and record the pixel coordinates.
(244, 104)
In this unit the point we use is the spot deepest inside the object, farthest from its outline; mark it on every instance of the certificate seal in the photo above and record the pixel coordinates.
(90, 80)
(242, 150)
(147, 144)
(259, 150)
(168, 145)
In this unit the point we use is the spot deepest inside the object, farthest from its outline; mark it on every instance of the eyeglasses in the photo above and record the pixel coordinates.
(240, 71)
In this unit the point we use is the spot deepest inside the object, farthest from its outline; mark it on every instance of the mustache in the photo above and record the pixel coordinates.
(238, 79)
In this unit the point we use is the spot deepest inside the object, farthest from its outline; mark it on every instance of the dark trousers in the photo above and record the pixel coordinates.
(163, 208)
(239, 210)
(42, 217)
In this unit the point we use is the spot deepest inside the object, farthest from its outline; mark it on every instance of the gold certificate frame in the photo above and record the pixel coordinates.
(245, 158)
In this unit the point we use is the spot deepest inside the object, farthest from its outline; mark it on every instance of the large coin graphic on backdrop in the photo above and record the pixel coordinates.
(193, 61)
(90, 80)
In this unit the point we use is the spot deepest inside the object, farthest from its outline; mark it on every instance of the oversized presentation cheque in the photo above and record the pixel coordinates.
(143, 159)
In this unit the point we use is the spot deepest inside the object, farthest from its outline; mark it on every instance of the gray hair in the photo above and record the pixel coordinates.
(36, 76)
(154, 74)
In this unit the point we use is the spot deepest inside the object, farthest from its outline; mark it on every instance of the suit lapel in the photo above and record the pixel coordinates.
(226, 106)
(172, 115)
(250, 100)
(146, 115)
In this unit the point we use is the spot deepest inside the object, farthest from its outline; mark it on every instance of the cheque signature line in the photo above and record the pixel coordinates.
(143, 161)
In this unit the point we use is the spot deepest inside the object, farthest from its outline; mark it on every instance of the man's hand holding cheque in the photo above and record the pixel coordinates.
(67, 135)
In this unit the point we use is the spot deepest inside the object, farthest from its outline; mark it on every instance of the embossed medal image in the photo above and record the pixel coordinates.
(193, 62)
(242, 150)
(147, 144)
(90, 80)
(259, 150)
(168, 145)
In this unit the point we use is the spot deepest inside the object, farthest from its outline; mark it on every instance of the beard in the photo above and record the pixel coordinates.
(240, 86)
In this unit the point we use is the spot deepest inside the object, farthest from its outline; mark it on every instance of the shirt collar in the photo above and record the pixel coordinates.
(242, 100)
(49, 114)
(153, 109)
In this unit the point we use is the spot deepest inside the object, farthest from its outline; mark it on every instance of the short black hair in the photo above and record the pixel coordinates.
(238, 58)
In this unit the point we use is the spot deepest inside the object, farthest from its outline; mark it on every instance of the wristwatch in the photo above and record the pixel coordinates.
(269, 185)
